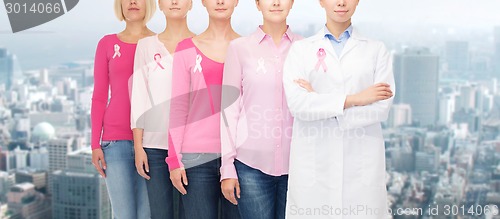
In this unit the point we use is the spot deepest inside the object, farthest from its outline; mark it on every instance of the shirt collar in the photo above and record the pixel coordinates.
(347, 33)
(260, 35)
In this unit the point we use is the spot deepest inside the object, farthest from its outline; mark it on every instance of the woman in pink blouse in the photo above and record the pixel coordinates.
(151, 87)
(256, 129)
(112, 147)
(194, 150)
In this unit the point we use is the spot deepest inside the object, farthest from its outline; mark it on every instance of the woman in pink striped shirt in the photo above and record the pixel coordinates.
(256, 129)
(151, 88)
(194, 152)
(112, 147)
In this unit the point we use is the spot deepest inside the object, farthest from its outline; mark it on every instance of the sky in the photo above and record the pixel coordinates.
(74, 35)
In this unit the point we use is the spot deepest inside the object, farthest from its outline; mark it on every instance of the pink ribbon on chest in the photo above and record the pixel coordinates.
(321, 54)
(157, 58)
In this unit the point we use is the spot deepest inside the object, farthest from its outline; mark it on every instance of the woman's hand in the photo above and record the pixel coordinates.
(375, 93)
(98, 161)
(228, 186)
(179, 179)
(304, 84)
(141, 162)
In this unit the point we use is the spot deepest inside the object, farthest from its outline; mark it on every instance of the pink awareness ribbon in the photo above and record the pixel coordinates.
(157, 60)
(321, 60)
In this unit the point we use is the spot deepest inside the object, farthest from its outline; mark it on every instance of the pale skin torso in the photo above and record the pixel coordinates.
(213, 48)
(128, 36)
(170, 42)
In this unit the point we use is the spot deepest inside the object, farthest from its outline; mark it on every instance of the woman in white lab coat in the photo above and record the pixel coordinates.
(337, 161)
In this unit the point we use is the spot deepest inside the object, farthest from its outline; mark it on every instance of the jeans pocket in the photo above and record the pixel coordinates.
(106, 144)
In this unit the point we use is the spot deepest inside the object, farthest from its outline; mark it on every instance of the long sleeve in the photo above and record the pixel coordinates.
(140, 101)
(303, 105)
(101, 93)
(231, 90)
(361, 116)
(179, 107)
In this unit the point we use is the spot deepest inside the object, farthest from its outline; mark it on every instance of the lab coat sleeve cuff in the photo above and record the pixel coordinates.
(338, 102)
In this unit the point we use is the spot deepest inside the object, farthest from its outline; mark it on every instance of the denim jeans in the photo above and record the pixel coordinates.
(204, 199)
(126, 188)
(262, 196)
(163, 197)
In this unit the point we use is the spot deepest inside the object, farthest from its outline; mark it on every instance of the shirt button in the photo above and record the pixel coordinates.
(277, 145)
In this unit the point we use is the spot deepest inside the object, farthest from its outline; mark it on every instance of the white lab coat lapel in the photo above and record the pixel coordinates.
(320, 41)
(355, 39)
(333, 78)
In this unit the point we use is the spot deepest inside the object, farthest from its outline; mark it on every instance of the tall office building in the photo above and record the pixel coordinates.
(417, 75)
(399, 115)
(457, 56)
(39, 158)
(467, 100)
(427, 160)
(6, 181)
(25, 202)
(34, 176)
(10, 70)
(21, 158)
(58, 150)
(79, 191)
(446, 109)
(6, 68)
(496, 60)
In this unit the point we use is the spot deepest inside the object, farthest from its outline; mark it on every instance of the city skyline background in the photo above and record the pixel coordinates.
(442, 136)
(74, 35)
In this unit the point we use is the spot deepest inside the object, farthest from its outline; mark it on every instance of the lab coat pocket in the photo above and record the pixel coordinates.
(303, 162)
(374, 164)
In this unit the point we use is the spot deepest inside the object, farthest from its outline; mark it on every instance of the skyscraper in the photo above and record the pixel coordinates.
(446, 109)
(39, 158)
(416, 72)
(457, 56)
(399, 115)
(496, 60)
(79, 191)
(58, 150)
(6, 68)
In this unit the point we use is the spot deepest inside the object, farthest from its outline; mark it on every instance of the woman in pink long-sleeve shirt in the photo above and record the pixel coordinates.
(256, 128)
(194, 150)
(112, 147)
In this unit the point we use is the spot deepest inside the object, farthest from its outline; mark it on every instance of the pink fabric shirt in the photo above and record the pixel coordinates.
(257, 127)
(151, 87)
(195, 106)
(113, 66)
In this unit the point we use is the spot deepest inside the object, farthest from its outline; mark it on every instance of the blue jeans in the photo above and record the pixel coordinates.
(163, 197)
(126, 188)
(262, 196)
(204, 199)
